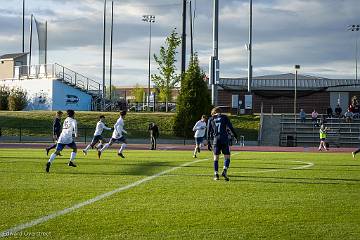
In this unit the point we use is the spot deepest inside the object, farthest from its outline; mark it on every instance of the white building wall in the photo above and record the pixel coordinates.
(51, 94)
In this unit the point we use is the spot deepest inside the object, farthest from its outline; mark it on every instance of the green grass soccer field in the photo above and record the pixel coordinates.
(170, 195)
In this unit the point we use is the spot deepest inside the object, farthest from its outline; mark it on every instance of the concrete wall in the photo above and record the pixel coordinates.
(51, 94)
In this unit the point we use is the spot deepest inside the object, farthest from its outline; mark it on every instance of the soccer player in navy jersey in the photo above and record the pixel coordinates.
(217, 134)
(56, 131)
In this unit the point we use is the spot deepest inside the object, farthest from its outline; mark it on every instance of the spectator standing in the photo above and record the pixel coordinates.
(154, 134)
(302, 115)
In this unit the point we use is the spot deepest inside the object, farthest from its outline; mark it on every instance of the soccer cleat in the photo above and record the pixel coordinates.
(216, 177)
(224, 174)
(121, 155)
(85, 152)
(194, 156)
(353, 155)
(47, 151)
(48, 164)
(99, 154)
(71, 164)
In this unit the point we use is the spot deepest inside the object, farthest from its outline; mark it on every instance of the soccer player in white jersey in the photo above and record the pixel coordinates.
(200, 131)
(66, 138)
(100, 126)
(117, 136)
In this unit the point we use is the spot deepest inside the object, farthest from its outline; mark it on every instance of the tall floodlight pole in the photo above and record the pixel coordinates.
(111, 46)
(297, 67)
(183, 40)
(250, 50)
(355, 28)
(104, 48)
(30, 42)
(191, 31)
(150, 19)
(23, 27)
(214, 62)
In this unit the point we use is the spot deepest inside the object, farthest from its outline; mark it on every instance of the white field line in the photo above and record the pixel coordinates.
(13, 230)
(307, 165)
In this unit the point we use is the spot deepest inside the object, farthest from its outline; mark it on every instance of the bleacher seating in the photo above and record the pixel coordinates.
(296, 133)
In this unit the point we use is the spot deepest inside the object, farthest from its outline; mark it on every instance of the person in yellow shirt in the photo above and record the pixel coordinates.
(323, 135)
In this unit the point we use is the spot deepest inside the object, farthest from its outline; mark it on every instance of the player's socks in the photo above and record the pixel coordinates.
(52, 158)
(353, 154)
(226, 163)
(104, 147)
(87, 148)
(195, 151)
(72, 156)
(47, 151)
(216, 166)
(123, 146)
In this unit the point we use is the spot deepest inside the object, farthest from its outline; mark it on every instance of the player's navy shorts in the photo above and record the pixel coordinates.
(199, 140)
(221, 148)
(60, 146)
(95, 140)
(117, 140)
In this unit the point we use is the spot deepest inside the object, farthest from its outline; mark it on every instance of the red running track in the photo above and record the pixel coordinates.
(189, 147)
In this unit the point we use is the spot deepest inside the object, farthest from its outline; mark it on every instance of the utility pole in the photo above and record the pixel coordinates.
(250, 50)
(104, 48)
(30, 42)
(214, 60)
(111, 45)
(183, 40)
(23, 27)
(191, 32)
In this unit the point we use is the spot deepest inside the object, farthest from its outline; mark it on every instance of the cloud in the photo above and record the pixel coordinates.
(311, 33)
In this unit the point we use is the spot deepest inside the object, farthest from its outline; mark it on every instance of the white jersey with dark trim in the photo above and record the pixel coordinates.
(68, 131)
(118, 129)
(200, 129)
(100, 126)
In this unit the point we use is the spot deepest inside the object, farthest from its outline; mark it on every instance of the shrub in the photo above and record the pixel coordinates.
(17, 99)
(4, 94)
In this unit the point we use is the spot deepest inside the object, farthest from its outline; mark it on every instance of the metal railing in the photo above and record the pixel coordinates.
(59, 72)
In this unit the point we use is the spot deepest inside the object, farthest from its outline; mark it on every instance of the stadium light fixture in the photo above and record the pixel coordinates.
(150, 19)
(355, 28)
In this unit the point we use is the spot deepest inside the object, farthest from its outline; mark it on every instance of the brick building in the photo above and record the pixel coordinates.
(276, 93)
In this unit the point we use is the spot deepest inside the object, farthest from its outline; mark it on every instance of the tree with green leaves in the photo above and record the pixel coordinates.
(167, 77)
(194, 99)
(17, 99)
(138, 93)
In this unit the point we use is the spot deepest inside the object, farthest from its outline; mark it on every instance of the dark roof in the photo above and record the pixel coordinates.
(12, 55)
(287, 82)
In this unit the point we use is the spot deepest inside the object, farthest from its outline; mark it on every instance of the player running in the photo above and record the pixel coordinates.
(200, 131)
(217, 133)
(117, 136)
(323, 134)
(56, 131)
(100, 126)
(66, 139)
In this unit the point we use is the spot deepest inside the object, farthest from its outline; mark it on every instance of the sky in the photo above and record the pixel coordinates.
(311, 33)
